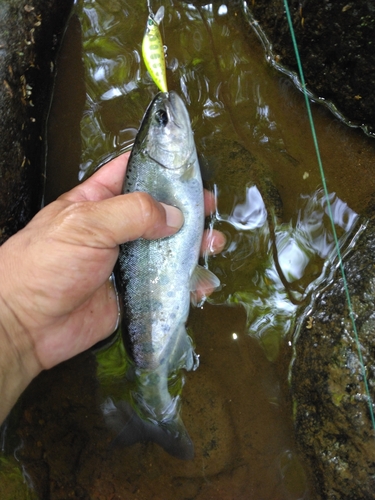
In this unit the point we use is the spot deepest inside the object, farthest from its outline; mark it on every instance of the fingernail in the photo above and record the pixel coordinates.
(174, 217)
(113, 295)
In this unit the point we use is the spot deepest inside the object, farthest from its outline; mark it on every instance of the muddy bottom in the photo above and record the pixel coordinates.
(232, 406)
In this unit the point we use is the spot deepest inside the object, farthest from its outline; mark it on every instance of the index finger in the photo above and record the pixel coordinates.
(105, 183)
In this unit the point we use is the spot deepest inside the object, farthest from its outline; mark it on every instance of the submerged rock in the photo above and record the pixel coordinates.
(29, 36)
(236, 168)
(332, 419)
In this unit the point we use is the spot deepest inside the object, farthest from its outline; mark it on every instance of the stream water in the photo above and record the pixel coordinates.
(256, 152)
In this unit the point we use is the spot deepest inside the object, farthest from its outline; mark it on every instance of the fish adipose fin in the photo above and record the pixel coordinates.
(204, 282)
(171, 435)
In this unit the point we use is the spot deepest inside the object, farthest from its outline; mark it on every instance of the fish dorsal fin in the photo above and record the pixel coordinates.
(202, 283)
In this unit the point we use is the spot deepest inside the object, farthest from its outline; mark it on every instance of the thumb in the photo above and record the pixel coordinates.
(139, 215)
(124, 218)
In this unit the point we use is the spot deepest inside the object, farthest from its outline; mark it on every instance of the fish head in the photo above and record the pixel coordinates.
(167, 137)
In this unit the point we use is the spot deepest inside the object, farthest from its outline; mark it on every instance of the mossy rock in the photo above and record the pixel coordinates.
(332, 418)
(29, 38)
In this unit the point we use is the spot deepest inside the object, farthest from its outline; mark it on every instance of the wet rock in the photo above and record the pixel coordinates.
(29, 36)
(332, 419)
(336, 44)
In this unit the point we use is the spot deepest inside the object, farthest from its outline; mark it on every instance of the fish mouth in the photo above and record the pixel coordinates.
(175, 109)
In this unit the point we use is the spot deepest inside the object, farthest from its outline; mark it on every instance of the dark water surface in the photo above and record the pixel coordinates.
(256, 152)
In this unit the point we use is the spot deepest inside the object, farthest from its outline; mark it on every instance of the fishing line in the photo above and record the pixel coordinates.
(322, 175)
(150, 12)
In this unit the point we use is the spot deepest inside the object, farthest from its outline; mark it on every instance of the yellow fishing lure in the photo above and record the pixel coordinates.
(153, 50)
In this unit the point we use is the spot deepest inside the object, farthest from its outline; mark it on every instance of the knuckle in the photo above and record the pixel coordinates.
(77, 209)
(147, 208)
(78, 214)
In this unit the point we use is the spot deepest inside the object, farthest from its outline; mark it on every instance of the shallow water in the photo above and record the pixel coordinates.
(256, 152)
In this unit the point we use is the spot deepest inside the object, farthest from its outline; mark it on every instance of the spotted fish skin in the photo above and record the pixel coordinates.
(158, 274)
(156, 278)
(153, 50)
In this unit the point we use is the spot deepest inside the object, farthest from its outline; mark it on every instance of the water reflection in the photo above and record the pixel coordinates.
(251, 214)
(113, 70)
(296, 260)
(214, 82)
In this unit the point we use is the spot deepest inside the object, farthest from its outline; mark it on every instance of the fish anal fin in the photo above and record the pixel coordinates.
(202, 283)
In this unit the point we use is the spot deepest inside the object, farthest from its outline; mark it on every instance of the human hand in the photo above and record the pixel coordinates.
(55, 296)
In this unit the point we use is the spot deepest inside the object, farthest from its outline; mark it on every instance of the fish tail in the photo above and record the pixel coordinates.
(171, 434)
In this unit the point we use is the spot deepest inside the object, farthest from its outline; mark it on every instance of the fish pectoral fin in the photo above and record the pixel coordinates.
(189, 172)
(131, 428)
(202, 283)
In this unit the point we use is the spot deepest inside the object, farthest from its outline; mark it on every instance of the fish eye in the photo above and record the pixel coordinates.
(161, 117)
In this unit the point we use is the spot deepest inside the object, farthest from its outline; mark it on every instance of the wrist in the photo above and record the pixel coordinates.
(18, 364)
